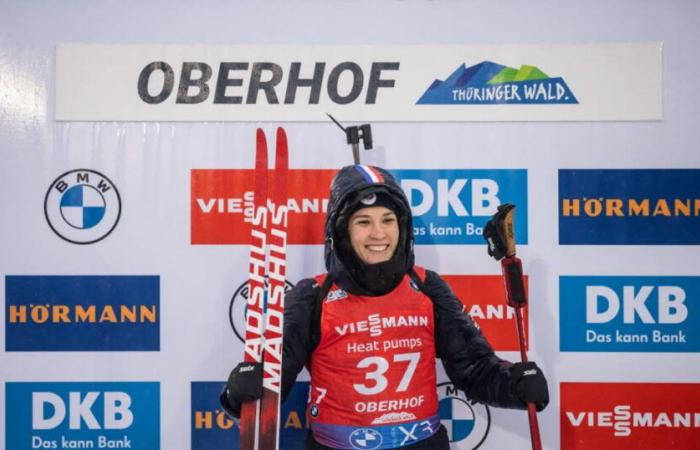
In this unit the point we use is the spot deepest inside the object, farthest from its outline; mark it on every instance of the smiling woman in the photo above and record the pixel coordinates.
(374, 234)
(370, 328)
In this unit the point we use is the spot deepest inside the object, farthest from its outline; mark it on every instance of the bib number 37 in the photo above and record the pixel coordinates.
(376, 382)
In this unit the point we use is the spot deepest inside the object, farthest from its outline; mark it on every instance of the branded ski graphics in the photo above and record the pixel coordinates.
(450, 206)
(629, 314)
(237, 308)
(483, 299)
(82, 206)
(630, 416)
(59, 415)
(82, 313)
(488, 83)
(213, 429)
(629, 206)
(467, 423)
(265, 312)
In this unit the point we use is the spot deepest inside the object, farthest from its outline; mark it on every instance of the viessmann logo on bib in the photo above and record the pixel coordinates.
(449, 206)
(630, 416)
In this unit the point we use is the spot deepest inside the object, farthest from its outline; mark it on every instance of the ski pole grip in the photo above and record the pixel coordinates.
(515, 286)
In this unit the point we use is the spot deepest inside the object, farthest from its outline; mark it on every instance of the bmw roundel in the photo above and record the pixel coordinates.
(82, 206)
(365, 439)
(467, 423)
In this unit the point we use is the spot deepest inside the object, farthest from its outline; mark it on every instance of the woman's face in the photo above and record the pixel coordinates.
(374, 234)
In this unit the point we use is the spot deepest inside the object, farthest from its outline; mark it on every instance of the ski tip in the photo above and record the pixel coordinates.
(281, 133)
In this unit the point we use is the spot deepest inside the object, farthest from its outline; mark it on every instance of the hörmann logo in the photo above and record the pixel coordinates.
(630, 416)
(213, 429)
(253, 82)
(82, 206)
(488, 83)
(628, 207)
(629, 314)
(83, 415)
(82, 313)
(449, 206)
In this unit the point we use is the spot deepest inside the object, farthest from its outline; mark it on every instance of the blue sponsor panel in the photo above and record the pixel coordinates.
(629, 207)
(213, 429)
(629, 313)
(82, 415)
(452, 206)
(82, 313)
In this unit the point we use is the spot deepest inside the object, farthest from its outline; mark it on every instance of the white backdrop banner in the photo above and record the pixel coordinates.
(375, 83)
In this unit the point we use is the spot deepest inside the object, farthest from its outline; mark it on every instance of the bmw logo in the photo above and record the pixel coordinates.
(82, 206)
(467, 424)
(365, 439)
(314, 411)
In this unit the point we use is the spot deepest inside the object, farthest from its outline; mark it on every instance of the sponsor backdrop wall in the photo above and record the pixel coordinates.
(127, 135)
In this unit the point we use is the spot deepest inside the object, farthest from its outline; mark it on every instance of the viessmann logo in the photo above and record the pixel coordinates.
(449, 206)
(483, 299)
(488, 83)
(630, 416)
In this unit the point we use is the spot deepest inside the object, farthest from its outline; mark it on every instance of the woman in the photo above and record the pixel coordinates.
(370, 329)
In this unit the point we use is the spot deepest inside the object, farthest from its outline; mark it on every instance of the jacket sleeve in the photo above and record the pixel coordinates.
(466, 355)
(299, 340)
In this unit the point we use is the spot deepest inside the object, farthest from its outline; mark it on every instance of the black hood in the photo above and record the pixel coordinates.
(349, 186)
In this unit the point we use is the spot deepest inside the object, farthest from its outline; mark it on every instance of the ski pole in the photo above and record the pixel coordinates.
(499, 233)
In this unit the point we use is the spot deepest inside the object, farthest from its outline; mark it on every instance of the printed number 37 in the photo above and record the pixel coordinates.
(381, 365)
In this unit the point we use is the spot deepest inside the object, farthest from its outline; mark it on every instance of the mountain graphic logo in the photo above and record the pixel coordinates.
(488, 83)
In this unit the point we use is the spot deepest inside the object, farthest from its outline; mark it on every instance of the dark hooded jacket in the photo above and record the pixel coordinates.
(467, 357)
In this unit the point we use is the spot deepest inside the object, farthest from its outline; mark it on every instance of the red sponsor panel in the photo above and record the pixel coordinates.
(639, 416)
(222, 205)
(484, 299)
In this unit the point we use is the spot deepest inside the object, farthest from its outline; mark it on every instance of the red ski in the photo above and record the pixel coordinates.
(257, 269)
(265, 313)
(277, 270)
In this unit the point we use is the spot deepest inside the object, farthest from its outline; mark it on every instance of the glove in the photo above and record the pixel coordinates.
(494, 232)
(244, 384)
(529, 385)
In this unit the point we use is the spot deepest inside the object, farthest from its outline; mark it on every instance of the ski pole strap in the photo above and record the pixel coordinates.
(515, 286)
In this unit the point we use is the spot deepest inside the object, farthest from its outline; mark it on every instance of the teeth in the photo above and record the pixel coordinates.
(377, 248)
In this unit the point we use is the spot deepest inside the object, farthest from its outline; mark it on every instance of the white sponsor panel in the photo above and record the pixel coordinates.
(362, 82)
